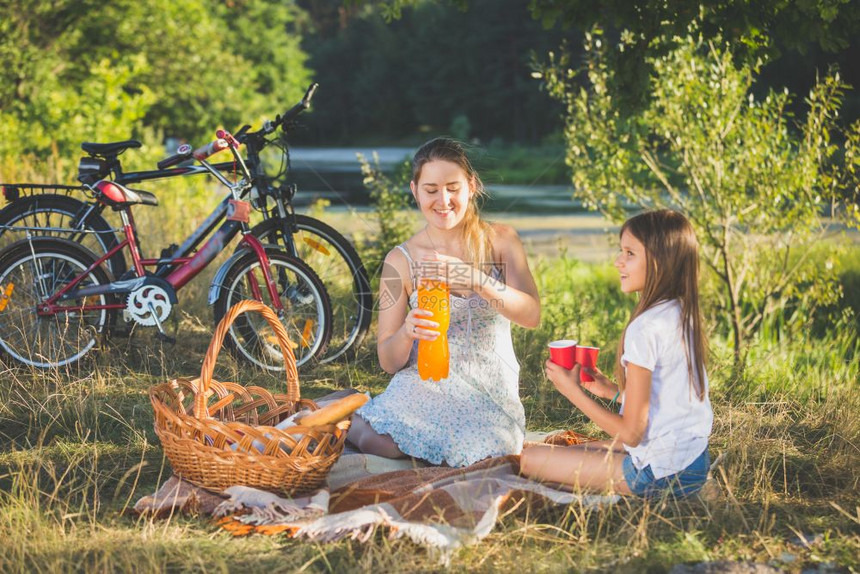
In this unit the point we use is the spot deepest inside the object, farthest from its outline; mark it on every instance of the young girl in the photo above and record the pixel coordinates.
(660, 438)
(476, 411)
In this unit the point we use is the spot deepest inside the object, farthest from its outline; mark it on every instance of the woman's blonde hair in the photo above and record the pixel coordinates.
(672, 272)
(477, 233)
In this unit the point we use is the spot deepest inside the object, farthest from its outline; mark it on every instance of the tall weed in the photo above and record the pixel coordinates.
(395, 219)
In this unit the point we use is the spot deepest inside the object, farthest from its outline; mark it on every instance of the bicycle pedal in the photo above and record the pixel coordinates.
(165, 338)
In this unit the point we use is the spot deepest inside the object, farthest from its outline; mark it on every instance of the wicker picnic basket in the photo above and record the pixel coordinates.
(218, 435)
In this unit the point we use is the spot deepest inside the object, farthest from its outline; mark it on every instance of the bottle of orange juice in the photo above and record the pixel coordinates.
(433, 355)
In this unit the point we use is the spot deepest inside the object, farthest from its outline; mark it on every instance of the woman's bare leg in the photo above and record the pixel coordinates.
(595, 468)
(368, 441)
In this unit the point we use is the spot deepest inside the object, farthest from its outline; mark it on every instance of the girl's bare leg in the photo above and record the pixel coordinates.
(596, 468)
(600, 446)
(368, 441)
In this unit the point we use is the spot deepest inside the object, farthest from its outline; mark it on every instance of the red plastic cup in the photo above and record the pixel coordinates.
(587, 357)
(563, 353)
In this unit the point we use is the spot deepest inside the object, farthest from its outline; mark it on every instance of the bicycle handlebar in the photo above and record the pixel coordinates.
(225, 139)
(182, 153)
(209, 149)
(294, 111)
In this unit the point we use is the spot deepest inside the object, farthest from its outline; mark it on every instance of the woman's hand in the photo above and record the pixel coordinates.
(420, 328)
(565, 380)
(460, 276)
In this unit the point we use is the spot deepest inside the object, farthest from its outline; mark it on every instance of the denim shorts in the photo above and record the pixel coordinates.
(689, 481)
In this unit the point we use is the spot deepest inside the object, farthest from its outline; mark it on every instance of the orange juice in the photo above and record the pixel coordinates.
(433, 355)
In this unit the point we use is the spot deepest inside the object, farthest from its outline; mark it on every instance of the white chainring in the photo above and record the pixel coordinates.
(143, 301)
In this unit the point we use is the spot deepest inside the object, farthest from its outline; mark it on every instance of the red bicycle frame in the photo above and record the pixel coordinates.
(184, 269)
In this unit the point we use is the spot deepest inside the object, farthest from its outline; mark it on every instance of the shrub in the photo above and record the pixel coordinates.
(391, 210)
(754, 186)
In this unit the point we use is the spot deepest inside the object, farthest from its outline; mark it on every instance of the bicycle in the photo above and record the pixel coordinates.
(323, 248)
(56, 298)
(50, 209)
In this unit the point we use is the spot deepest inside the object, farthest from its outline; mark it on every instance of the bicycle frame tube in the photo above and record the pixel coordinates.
(210, 250)
(49, 306)
(286, 216)
(139, 176)
(205, 228)
(131, 240)
(180, 276)
(260, 251)
(202, 231)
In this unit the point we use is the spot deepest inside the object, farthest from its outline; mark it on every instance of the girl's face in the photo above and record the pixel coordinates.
(442, 193)
(631, 263)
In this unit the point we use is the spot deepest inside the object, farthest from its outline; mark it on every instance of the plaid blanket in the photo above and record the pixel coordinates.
(439, 507)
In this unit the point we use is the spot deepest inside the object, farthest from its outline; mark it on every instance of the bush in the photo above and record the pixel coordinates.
(754, 185)
(391, 209)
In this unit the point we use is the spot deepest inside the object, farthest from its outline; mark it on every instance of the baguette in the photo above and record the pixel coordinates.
(334, 412)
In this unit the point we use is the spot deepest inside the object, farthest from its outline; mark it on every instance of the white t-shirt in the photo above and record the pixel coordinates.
(678, 422)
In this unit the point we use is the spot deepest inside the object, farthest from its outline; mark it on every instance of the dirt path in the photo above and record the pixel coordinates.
(585, 236)
(588, 237)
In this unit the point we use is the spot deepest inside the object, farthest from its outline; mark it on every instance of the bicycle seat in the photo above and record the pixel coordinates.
(114, 148)
(117, 196)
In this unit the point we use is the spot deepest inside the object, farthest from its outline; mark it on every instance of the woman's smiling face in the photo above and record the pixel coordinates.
(442, 193)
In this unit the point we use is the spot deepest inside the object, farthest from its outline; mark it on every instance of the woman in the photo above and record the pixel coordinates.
(475, 412)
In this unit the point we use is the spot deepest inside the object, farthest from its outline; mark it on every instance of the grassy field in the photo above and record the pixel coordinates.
(78, 450)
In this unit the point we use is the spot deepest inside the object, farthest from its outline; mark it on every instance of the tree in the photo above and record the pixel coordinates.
(832, 24)
(755, 186)
(764, 28)
(41, 109)
(72, 71)
(389, 81)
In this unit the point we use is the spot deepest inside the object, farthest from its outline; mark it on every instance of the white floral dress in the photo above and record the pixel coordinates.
(473, 414)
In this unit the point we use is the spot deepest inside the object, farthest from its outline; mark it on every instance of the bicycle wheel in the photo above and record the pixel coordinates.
(29, 273)
(51, 211)
(336, 262)
(307, 312)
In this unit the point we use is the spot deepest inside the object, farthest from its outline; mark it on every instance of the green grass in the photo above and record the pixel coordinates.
(78, 449)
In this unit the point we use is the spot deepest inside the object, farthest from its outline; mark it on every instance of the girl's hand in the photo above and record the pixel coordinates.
(601, 386)
(566, 381)
(419, 328)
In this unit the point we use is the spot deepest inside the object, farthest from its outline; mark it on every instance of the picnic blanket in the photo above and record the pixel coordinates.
(442, 508)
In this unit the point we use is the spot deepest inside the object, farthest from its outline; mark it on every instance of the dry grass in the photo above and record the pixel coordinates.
(79, 449)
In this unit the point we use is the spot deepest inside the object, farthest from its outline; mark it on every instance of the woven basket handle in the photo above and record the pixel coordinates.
(200, 410)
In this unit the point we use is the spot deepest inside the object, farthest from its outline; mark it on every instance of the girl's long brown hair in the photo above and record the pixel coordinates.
(672, 263)
(477, 233)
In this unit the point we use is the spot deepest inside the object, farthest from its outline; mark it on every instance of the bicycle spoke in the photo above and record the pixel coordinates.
(68, 333)
(49, 215)
(334, 260)
(304, 316)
